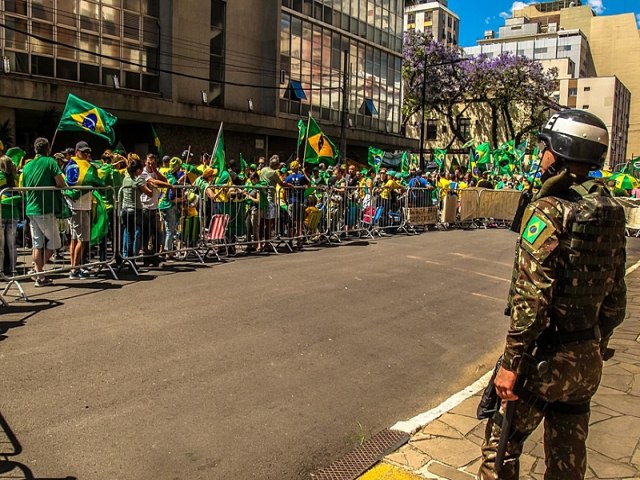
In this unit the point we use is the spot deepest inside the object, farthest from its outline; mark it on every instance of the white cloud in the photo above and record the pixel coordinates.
(487, 20)
(517, 6)
(597, 6)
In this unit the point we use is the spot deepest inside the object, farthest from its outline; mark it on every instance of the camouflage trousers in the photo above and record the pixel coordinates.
(573, 378)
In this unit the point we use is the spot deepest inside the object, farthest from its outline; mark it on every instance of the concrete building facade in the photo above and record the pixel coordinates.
(187, 66)
(434, 18)
(609, 99)
(614, 42)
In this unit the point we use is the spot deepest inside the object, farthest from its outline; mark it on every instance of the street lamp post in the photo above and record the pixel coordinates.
(424, 92)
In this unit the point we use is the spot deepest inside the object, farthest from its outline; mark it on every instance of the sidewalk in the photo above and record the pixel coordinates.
(449, 447)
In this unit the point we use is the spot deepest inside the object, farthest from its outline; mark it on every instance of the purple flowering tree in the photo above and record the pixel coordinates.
(509, 90)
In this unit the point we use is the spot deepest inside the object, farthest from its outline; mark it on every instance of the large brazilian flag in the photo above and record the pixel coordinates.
(82, 116)
(319, 147)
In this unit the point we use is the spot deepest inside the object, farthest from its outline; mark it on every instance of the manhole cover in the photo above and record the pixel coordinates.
(364, 457)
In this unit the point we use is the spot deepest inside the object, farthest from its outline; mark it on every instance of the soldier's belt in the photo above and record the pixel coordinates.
(550, 338)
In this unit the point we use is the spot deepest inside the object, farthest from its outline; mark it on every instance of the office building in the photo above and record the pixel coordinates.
(434, 18)
(256, 65)
(570, 36)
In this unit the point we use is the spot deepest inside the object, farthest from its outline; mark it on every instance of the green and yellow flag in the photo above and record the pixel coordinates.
(82, 116)
(375, 158)
(218, 159)
(16, 154)
(319, 147)
(439, 155)
(156, 142)
(302, 132)
(482, 153)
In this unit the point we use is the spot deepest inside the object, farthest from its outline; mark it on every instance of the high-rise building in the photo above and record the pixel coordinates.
(614, 42)
(598, 51)
(257, 65)
(434, 18)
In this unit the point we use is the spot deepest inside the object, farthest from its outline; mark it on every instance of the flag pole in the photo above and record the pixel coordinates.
(215, 145)
(306, 138)
(53, 140)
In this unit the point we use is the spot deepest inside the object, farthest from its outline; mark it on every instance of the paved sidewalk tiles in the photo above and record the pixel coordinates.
(449, 447)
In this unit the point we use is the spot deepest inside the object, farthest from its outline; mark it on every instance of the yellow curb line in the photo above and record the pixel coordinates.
(384, 471)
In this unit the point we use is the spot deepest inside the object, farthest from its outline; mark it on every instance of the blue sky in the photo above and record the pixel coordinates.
(475, 19)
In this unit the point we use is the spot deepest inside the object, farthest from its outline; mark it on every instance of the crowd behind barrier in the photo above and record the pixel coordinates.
(149, 217)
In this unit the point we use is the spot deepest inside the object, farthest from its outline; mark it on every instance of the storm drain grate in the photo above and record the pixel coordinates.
(364, 457)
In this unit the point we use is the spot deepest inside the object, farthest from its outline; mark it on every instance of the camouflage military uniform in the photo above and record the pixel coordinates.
(570, 278)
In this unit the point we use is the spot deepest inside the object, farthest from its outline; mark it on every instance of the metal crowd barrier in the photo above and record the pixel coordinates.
(78, 217)
(152, 234)
(224, 220)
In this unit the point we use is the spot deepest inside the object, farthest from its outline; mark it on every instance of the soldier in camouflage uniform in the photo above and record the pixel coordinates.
(567, 296)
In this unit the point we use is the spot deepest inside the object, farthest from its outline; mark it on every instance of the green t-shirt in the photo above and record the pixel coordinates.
(168, 196)
(41, 172)
(11, 201)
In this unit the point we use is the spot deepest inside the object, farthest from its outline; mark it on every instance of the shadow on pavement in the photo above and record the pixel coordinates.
(29, 309)
(10, 447)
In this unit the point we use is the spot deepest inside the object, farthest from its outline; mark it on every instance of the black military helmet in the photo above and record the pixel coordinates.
(577, 136)
(186, 155)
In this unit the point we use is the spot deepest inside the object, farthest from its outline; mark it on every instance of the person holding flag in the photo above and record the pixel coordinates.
(80, 172)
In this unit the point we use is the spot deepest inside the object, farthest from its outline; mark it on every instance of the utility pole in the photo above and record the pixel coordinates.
(424, 93)
(345, 109)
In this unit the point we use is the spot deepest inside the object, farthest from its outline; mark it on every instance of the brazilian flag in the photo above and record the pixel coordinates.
(82, 116)
(319, 147)
(375, 157)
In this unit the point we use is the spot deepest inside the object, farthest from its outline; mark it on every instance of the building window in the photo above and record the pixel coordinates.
(540, 50)
(587, 89)
(432, 129)
(565, 48)
(573, 92)
(585, 107)
(464, 127)
(216, 53)
(411, 18)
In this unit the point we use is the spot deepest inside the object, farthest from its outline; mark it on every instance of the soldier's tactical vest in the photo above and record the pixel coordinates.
(595, 237)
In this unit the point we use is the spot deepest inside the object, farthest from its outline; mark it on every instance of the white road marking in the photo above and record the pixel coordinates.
(480, 259)
(487, 296)
(633, 268)
(420, 421)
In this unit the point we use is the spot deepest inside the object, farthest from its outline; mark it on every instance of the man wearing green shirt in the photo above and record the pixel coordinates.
(42, 206)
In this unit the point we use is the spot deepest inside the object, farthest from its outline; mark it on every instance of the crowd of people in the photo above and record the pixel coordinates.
(166, 205)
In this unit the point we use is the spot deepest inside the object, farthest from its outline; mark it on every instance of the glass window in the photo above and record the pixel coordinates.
(42, 66)
(111, 21)
(15, 38)
(464, 127)
(89, 16)
(66, 70)
(131, 26)
(217, 14)
(89, 73)
(92, 44)
(67, 37)
(133, 5)
(16, 6)
(151, 30)
(131, 80)
(44, 30)
(42, 9)
(432, 129)
(67, 12)
(151, 7)
(111, 48)
(285, 35)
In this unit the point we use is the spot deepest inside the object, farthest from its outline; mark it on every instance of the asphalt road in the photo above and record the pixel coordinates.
(259, 368)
